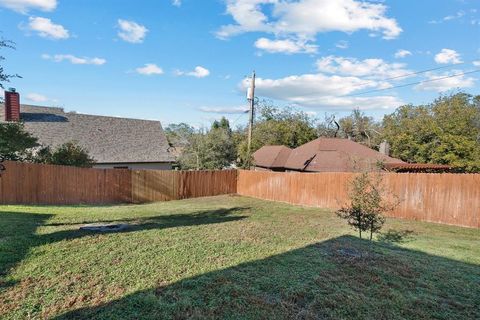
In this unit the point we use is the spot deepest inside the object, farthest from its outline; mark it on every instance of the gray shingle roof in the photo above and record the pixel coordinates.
(107, 139)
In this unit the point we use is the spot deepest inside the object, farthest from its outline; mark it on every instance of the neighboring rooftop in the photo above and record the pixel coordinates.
(107, 139)
(331, 155)
(272, 156)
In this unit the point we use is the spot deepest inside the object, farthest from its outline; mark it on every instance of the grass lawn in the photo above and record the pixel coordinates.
(230, 257)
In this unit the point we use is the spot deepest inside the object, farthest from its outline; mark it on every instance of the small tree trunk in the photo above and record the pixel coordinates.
(360, 233)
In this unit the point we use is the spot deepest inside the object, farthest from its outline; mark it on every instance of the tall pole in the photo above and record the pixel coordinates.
(250, 123)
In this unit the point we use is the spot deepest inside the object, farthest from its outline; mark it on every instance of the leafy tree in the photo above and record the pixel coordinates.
(67, 154)
(214, 149)
(329, 127)
(16, 143)
(357, 126)
(179, 135)
(444, 132)
(360, 128)
(368, 202)
(223, 123)
(277, 126)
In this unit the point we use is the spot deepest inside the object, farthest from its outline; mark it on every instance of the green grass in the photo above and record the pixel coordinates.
(230, 257)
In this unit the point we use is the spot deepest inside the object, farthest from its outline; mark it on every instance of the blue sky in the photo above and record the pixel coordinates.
(187, 61)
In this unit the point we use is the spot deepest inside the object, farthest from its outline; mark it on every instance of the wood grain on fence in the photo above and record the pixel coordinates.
(443, 198)
(149, 185)
(26, 183)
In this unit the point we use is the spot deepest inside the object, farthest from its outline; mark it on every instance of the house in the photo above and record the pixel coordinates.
(111, 141)
(333, 155)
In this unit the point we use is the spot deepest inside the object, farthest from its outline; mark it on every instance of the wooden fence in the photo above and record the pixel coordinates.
(25, 183)
(149, 185)
(443, 198)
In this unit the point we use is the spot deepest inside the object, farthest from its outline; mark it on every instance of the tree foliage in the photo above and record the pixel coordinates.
(444, 132)
(212, 149)
(369, 200)
(277, 126)
(179, 135)
(357, 127)
(15, 143)
(67, 154)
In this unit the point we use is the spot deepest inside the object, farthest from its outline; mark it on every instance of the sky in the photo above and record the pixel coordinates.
(190, 60)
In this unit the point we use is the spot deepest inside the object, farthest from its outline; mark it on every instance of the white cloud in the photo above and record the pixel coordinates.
(225, 110)
(448, 56)
(23, 6)
(149, 69)
(131, 31)
(306, 18)
(342, 44)
(285, 46)
(47, 29)
(177, 3)
(476, 63)
(402, 53)
(198, 72)
(323, 91)
(372, 68)
(36, 97)
(73, 59)
(457, 15)
(441, 83)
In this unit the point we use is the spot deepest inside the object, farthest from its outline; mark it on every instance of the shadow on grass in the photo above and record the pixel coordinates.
(396, 236)
(18, 231)
(342, 278)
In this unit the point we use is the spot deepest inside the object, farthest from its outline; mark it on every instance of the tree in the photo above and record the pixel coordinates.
(213, 149)
(444, 132)
(277, 126)
(357, 126)
(15, 143)
(369, 200)
(67, 154)
(179, 135)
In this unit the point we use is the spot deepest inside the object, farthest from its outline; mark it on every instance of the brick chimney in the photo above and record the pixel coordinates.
(12, 105)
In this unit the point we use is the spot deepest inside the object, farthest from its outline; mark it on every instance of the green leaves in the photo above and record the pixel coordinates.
(445, 132)
(214, 149)
(67, 154)
(369, 199)
(15, 142)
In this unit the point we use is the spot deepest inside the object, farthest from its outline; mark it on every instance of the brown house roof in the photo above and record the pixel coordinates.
(322, 154)
(272, 156)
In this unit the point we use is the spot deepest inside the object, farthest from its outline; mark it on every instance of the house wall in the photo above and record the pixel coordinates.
(135, 165)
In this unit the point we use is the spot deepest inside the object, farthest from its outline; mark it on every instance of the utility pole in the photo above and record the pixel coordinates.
(251, 98)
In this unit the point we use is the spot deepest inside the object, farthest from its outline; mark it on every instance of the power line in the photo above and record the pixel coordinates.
(411, 84)
(413, 73)
(238, 118)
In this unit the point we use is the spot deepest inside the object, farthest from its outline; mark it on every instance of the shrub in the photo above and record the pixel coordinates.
(369, 200)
